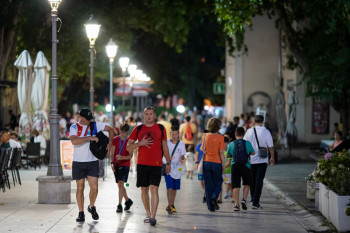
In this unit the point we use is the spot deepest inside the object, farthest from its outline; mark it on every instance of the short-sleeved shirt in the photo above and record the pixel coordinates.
(117, 143)
(167, 126)
(200, 153)
(149, 156)
(175, 161)
(82, 152)
(265, 140)
(213, 145)
(228, 169)
(183, 129)
(231, 151)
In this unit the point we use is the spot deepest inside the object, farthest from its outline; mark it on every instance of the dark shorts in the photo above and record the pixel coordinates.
(148, 175)
(121, 173)
(239, 172)
(81, 170)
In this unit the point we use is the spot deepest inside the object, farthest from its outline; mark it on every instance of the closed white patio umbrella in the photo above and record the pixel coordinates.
(24, 65)
(40, 92)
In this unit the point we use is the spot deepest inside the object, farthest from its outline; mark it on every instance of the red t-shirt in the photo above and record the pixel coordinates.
(150, 156)
(117, 142)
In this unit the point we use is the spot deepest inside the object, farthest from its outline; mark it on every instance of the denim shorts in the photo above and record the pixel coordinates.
(81, 170)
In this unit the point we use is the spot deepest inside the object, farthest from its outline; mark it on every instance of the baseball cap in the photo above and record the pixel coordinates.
(86, 113)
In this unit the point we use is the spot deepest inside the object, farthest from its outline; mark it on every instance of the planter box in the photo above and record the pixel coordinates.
(317, 200)
(310, 189)
(324, 200)
(337, 205)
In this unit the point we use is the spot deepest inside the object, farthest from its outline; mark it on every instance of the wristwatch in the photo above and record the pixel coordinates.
(197, 162)
(167, 163)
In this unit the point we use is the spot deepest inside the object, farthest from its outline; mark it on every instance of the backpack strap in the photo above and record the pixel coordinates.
(161, 129)
(138, 130)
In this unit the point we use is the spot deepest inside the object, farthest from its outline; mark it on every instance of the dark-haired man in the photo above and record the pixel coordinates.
(85, 164)
(259, 164)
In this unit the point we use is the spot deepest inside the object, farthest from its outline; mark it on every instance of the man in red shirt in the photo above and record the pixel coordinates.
(152, 145)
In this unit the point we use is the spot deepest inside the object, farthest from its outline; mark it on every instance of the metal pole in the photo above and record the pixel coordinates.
(123, 99)
(92, 78)
(55, 167)
(111, 92)
(132, 97)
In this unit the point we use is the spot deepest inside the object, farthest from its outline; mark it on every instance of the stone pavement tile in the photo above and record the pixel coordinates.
(192, 215)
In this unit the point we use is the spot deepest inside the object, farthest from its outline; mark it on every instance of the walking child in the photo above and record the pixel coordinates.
(227, 173)
(177, 152)
(120, 158)
(189, 157)
(239, 152)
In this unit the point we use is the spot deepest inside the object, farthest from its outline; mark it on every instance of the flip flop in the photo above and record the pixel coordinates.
(146, 220)
(152, 221)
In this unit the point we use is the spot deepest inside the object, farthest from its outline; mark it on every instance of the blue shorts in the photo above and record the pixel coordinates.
(172, 183)
(200, 177)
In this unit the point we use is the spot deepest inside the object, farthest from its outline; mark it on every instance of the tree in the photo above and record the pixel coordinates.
(317, 34)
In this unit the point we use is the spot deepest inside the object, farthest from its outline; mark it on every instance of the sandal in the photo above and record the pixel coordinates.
(146, 220)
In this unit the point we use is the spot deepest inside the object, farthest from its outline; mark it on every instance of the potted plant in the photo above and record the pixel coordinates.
(333, 173)
(310, 187)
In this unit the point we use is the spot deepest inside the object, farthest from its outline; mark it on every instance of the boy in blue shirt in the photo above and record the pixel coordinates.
(239, 152)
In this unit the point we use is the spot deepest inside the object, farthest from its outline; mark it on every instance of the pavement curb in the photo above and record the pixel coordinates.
(304, 217)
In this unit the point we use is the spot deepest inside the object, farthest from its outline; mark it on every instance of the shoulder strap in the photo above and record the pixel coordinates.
(92, 125)
(177, 143)
(205, 137)
(161, 129)
(138, 130)
(256, 137)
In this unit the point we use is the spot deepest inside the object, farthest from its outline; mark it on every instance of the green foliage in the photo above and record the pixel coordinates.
(335, 172)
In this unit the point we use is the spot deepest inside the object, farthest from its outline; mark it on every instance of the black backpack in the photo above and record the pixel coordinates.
(240, 155)
(98, 149)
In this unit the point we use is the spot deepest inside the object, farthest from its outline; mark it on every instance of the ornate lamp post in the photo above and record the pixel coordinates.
(123, 62)
(132, 69)
(92, 30)
(111, 49)
(55, 167)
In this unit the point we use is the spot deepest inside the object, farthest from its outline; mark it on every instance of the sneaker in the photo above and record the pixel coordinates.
(119, 209)
(92, 211)
(214, 204)
(236, 208)
(204, 199)
(244, 204)
(227, 196)
(128, 204)
(173, 208)
(168, 209)
(81, 217)
(219, 201)
(152, 221)
(258, 206)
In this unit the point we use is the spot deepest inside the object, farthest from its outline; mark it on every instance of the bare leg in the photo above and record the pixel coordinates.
(202, 184)
(145, 199)
(245, 191)
(80, 194)
(154, 200)
(168, 195)
(93, 183)
(191, 175)
(172, 196)
(236, 195)
(122, 192)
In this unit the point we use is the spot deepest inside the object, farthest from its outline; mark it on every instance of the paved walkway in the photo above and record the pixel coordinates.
(19, 211)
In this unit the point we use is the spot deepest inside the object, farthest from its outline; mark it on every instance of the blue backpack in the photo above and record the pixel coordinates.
(240, 155)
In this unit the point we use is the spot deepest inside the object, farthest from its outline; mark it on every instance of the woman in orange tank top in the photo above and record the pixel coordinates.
(214, 162)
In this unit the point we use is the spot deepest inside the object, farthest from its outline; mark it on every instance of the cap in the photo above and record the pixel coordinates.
(86, 113)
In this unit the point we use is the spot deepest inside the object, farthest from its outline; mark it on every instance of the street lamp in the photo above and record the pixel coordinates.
(132, 69)
(111, 49)
(55, 167)
(123, 62)
(92, 30)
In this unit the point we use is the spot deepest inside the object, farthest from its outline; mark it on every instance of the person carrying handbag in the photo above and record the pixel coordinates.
(213, 163)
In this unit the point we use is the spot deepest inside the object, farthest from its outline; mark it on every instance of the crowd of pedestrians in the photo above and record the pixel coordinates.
(228, 157)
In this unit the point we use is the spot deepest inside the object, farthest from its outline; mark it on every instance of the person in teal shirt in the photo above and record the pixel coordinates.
(241, 170)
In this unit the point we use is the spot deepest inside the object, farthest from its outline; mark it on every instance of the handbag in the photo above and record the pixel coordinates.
(263, 151)
(200, 165)
(99, 149)
(172, 154)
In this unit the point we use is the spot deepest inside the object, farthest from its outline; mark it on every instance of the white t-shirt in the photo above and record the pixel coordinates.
(265, 140)
(14, 144)
(82, 152)
(40, 139)
(175, 161)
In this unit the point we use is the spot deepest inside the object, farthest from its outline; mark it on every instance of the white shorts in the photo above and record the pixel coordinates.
(227, 178)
